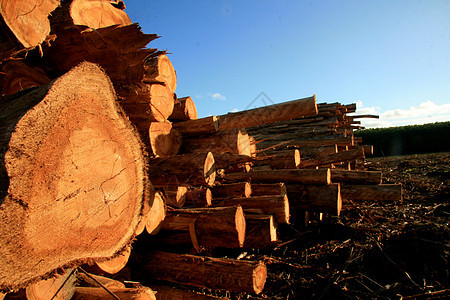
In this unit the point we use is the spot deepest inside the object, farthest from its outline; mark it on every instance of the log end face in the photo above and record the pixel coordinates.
(209, 169)
(287, 212)
(117, 263)
(247, 189)
(259, 277)
(157, 214)
(297, 160)
(240, 225)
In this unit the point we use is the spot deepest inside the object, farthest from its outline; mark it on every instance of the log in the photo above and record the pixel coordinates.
(235, 141)
(50, 288)
(239, 189)
(92, 280)
(207, 227)
(195, 169)
(277, 189)
(233, 162)
(24, 25)
(164, 140)
(342, 156)
(145, 213)
(175, 196)
(355, 177)
(319, 198)
(157, 214)
(98, 293)
(171, 293)
(381, 192)
(269, 114)
(282, 159)
(198, 126)
(339, 140)
(148, 103)
(267, 205)
(183, 110)
(160, 70)
(19, 76)
(91, 13)
(304, 176)
(68, 158)
(261, 231)
(311, 152)
(117, 263)
(214, 273)
(198, 197)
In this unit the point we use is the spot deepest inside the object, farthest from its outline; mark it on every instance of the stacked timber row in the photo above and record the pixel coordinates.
(96, 148)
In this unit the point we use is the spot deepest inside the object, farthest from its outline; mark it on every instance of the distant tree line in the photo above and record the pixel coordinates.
(405, 140)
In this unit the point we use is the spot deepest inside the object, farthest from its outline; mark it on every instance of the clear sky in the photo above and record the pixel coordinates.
(390, 57)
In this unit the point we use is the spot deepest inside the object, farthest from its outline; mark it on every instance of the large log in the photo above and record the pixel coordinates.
(269, 114)
(160, 70)
(355, 177)
(24, 25)
(234, 141)
(164, 140)
(267, 205)
(91, 13)
(195, 169)
(72, 176)
(304, 176)
(183, 110)
(381, 192)
(207, 227)
(209, 272)
(261, 231)
(320, 198)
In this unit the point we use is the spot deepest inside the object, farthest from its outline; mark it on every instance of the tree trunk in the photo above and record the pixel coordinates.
(208, 227)
(91, 13)
(198, 197)
(282, 159)
(355, 177)
(320, 198)
(267, 205)
(201, 126)
(183, 110)
(70, 159)
(164, 140)
(193, 169)
(269, 114)
(305, 176)
(207, 272)
(277, 189)
(261, 231)
(233, 162)
(50, 288)
(381, 192)
(98, 293)
(342, 156)
(160, 70)
(235, 141)
(24, 25)
(157, 214)
(312, 152)
(239, 189)
(19, 76)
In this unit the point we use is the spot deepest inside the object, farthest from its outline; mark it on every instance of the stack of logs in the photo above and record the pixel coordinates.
(97, 148)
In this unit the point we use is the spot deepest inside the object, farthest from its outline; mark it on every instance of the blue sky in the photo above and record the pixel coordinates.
(390, 57)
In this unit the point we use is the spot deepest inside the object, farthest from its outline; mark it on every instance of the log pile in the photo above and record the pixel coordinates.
(97, 149)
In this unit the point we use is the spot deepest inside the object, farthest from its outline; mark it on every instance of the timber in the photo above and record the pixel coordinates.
(164, 140)
(355, 177)
(265, 189)
(17, 76)
(198, 197)
(46, 176)
(157, 214)
(117, 263)
(98, 293)
(213, 227)
(267, 205)
(175, 196)
(341, 156)
(208, 272)
(304, 176)
(50, 288)
(194, 169)
(319, 198)
(269, 114)
(238, 189)
(261, 231)
(282, 159)
(183, 110)
(160, 70)
(380, 192)
(198, 126)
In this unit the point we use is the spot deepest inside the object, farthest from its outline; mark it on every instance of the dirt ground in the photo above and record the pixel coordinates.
(373, 250)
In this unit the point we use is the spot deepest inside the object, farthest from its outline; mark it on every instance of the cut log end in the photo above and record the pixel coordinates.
(259, 278)
(114, 265)
(164, 140)
(240, 225)
(209, 169)
(157, 214)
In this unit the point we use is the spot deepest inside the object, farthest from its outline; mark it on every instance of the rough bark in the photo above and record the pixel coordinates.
(342, 156)
(207, 227)
(24, 25)
(239, 189)
(304, 176)
(261, 231)
(355, 177)
(267, 205)
(183, 110)
(198, 197)
(268, 189)
(209, 272)
(194, 169)
(201, 126)
(69, 159)
(269, 114)
(320, 198)
(282, 159)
